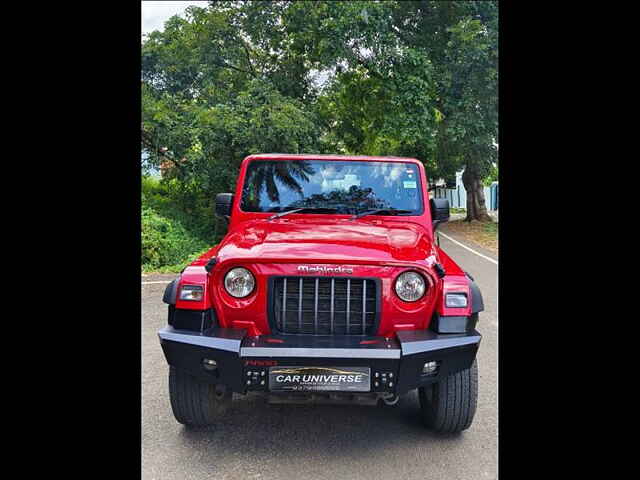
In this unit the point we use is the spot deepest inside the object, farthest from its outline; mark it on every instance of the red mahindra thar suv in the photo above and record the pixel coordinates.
(329, 286)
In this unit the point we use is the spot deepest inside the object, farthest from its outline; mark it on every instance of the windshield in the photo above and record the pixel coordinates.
(349, 187)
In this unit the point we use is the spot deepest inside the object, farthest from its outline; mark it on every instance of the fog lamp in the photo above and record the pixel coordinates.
(209, 364)
(191, 292)
(430, 367)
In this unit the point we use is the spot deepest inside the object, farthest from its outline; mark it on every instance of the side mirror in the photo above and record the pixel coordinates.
(439, 211)
(223, 204)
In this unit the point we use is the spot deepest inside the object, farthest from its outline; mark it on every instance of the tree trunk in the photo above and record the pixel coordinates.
(476, 207)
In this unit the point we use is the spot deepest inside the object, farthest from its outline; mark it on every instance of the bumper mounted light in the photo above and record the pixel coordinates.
(430, 368)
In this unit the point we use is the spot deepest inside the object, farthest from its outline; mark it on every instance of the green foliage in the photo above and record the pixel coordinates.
(166, 244)
(491, 177)
(428, 86)
(180, 202)
(174, 231)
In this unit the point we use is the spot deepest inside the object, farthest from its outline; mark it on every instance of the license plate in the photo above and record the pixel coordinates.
(320, 379)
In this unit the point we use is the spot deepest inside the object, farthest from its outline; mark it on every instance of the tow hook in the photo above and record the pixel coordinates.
(392, 399)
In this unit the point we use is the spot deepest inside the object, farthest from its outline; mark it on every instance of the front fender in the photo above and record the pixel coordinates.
(192, 275)
(457, 320)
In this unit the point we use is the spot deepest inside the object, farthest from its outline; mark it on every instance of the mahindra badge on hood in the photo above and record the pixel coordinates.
(324, 269)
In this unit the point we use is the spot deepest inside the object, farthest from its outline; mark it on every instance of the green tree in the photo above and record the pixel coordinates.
(211, 96)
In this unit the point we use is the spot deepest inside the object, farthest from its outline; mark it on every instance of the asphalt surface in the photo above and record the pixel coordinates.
(260, 441)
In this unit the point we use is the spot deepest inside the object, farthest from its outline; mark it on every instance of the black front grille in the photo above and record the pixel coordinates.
(324, 305)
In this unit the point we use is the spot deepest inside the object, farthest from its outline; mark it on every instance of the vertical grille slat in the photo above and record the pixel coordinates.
(315, 310)
(364, 305)
(348, 304)
(284, 306)
(324, 305)
(300, 306)
(333, 284)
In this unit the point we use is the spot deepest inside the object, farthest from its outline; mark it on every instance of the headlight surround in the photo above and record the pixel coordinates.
(456, 300)
(239, 282)
(193, 293)
(410, 286)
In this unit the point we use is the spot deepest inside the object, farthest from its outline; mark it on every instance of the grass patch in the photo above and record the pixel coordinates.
(484, 234)
(491, 228)
(457, 210)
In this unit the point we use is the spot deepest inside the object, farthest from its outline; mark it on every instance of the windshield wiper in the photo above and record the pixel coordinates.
(386, 211)
(304, 209)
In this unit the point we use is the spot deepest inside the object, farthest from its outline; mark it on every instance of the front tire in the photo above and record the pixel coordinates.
(195, 403)
(449, 405)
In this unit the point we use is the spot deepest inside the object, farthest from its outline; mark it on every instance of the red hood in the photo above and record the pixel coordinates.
(323, 241)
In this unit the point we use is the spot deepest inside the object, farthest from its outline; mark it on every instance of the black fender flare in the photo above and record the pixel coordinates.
(171, 292)
(477, 304)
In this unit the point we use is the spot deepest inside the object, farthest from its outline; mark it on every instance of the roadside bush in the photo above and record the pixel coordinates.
(176, 226)
(166, 245)
(183, 203)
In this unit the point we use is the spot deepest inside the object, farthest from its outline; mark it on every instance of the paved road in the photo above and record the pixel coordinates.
(259, 441)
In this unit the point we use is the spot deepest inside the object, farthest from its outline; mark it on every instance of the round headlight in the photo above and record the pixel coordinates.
(239, 282)
(410, 286)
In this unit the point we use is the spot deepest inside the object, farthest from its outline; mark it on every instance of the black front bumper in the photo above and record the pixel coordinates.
(242, 362)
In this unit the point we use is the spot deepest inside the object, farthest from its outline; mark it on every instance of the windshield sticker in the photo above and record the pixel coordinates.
(410, 184)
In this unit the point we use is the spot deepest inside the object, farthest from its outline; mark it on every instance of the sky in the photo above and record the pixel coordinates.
(154, 14)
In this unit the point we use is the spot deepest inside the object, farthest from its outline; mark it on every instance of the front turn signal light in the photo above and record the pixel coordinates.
(457, 300)
(192, 293)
